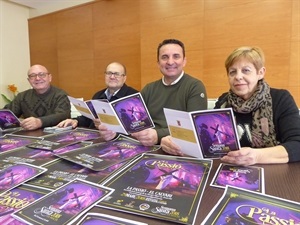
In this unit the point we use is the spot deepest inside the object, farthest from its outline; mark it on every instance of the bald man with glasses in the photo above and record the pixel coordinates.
(42, 106)
(115, 77)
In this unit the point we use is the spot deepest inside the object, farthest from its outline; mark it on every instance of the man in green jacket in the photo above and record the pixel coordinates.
(42, 106)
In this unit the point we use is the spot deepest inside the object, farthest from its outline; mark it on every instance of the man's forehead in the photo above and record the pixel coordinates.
(171, 49)
(115, 67)
(37, 69)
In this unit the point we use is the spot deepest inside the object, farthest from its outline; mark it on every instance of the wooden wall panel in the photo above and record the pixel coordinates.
(83, 39)
(117, 38)
(123, 47)
(75, 51)
(170, 19)
(233, 23)
(294, 69)
(74, 21)
(77, 78)
(115, 14)
(76, 67)
(42, 44)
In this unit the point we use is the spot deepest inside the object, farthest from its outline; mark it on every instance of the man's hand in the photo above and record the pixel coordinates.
(97, 122)
(31, 123)
(106, 134)
(68, 122)
(147, 137)
(169, 146)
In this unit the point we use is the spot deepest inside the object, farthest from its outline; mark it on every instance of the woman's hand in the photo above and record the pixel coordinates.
(245, 156)
(249, 156)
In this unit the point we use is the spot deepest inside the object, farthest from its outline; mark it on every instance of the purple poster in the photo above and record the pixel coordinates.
(103, 155)
(17, 199)
(247, 177)
(28, 155)
(216, 132)
(62, 171)
(63, 205)
(9, 142)
(242, 207)
(133, 113)
(15, 175)
(157, 185)
(8, 120)
(63, 139)
(103, 219)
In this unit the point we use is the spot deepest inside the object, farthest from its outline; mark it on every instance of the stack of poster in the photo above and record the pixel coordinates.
(17, 174)
(56, 141)
(125, 115)
(35, 156)
(99, 218)
(162, 187)
(240, 206)
(100, 156)
(205, 133)
(64, 205)
(16, 199)
(31, 156)
(60, 172)
(247, 177)
(11, 141)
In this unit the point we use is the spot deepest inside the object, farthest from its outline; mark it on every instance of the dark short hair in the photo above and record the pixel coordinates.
(170, 41)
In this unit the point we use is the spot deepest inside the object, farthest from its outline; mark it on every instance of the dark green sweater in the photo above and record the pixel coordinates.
(188, 94)
(51, 107)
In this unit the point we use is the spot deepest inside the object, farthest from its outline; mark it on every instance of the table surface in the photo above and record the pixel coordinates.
(281, 180)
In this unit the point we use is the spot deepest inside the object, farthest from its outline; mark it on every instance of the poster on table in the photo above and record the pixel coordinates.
(103, 155)
(247, 177)
(62, 171)
(31, 156)
(64, 205)
(17, 174)
(11, 141)
(241, 206)
(104, 219)
(72, 147)
(16, 199)
(158, 186)
(58, 140)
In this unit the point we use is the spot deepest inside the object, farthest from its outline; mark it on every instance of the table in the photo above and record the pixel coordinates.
(281, 180)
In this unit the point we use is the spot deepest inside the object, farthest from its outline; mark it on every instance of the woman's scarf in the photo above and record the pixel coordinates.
(260, 105)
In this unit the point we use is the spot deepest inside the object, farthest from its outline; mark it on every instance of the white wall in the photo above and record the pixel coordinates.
(14, 42)
(14, 47)
(49, 6)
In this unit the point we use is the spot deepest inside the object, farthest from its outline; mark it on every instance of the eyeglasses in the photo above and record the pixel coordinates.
(116, 74)
(40, 75)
